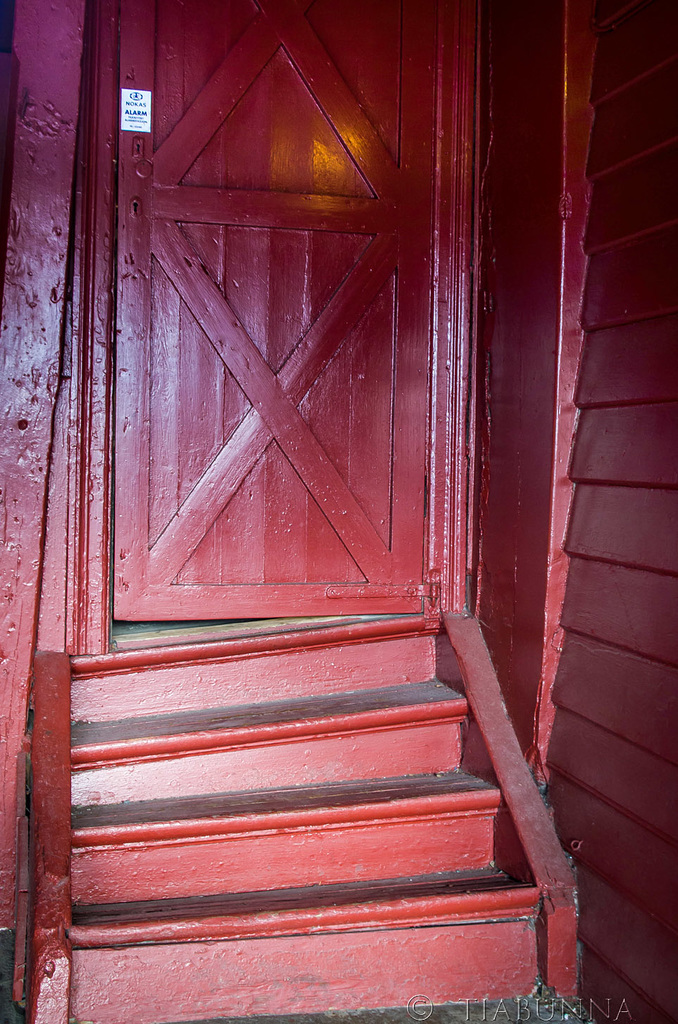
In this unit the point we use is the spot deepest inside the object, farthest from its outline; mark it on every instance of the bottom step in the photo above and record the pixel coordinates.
(157, 984)
(450, 936)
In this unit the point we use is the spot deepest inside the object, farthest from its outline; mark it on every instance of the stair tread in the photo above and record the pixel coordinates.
(249, 715)
(276, 900)
(267, 801)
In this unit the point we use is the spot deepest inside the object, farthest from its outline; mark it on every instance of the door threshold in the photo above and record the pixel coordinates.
(129, 636)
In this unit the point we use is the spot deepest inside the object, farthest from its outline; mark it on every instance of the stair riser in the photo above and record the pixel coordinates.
(281, 859)
(303, 973)
(253, 679)
(407, 750)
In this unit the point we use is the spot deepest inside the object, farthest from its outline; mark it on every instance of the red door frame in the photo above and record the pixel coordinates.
(80, 499)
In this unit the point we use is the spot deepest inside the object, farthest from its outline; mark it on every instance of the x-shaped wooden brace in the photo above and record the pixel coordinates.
(274, 400)
(274, 397)
(280, 22)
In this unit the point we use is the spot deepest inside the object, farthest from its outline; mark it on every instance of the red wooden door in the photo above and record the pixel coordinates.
(274, 266)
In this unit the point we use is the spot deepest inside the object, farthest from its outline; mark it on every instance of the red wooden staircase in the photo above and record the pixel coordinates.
(258, 831)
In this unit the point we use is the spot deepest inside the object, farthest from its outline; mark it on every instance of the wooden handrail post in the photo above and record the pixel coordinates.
(49, 950)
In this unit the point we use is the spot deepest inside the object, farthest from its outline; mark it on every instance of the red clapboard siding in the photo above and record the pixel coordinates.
(609, 991)
(640, 118)
(605, 524)
(635, 47)
(633, 363)
(607, 920)
(636, 781)
(626, 694)
(635, 198)
(633, 608)
(613, 752)
(635, 282)
(632, 445)
(631, 858)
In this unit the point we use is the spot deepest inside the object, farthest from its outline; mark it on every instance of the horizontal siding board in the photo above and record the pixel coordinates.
(634, 282)
(632, 608)
(634, 526)
(635, 47)
(607, 920)
(637, 198)
(636, 781)
(636, 120)
(633, 860)
(634, 363)
(626, 694)
(602, 985)
(635, 444)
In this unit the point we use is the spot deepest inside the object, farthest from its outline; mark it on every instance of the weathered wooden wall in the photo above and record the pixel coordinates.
(47, 44)
(520, 296)
(613, 754)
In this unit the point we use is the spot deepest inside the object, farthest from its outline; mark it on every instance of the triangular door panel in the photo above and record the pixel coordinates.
(372, 69)
(192, 40)
(277, 138)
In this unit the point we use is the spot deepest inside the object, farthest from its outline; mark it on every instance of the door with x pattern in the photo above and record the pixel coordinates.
(274, 308)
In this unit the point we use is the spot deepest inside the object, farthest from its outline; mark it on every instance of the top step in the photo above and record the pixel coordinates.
(114, 687)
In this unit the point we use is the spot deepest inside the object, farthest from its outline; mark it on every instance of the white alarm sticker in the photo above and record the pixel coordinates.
(135, 110)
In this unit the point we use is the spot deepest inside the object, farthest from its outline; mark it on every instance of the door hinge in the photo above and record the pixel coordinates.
(429, 590)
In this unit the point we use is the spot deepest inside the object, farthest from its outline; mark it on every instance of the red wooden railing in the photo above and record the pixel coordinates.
(557, 923)
(49, 950)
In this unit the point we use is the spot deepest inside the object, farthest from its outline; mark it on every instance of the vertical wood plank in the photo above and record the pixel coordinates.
(133, 362)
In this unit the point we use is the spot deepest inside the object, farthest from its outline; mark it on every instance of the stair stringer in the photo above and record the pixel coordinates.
(557, 921)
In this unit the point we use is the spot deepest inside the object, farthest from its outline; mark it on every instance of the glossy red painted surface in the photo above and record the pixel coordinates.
(557, 922)
(631, 696)
(524, 331)
(301, 849)
(106, 689)
(32, 318)
(578, 47)
(613, 754)
(49, 950)
(458, 909)
(346, 754)
(303, 974)
(287, 266)
(75, 613)
(616, 689)
(652, 953)
(453, 373)
(631, 858)
(630, 608)
(101, 750)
